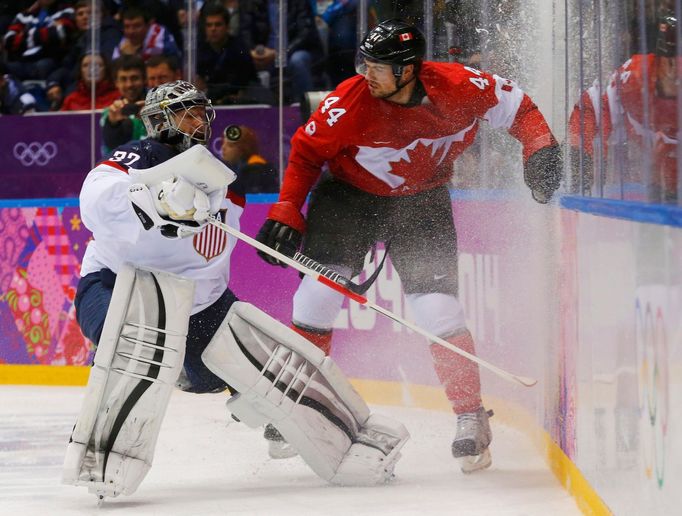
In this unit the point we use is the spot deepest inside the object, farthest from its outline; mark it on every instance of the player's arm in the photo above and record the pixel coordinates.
(104, 204)
(507, 106)
(582, 125)
(590, 115)
(543, 163)
(312, 145)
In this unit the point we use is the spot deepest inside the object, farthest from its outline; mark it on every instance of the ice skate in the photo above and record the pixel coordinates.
(278, 448)
(472, 440)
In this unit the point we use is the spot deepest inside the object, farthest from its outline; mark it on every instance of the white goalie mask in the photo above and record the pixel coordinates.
(179, 114)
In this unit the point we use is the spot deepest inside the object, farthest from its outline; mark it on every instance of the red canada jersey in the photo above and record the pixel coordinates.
(622, 105)
(389, 149)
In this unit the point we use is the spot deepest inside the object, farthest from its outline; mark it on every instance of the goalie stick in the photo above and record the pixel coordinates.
(352, 290)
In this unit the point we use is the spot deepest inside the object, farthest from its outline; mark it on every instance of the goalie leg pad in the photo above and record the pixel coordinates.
(138, 360)
(285, 380)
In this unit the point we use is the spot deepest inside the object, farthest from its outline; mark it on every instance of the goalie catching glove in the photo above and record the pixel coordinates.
(180, 200)
(180, 203)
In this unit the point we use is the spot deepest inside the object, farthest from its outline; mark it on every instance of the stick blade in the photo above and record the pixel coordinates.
(526, 381)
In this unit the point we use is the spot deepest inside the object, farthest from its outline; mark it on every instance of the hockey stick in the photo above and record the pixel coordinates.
(335, 281)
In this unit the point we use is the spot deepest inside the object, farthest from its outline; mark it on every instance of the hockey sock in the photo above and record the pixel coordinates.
(458, 375)
(321, 338)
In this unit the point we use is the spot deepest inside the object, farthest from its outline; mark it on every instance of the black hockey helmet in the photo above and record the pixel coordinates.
(393, 42)
(666, 40)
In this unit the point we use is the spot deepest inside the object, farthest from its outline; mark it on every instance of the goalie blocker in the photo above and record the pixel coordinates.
(283, 379)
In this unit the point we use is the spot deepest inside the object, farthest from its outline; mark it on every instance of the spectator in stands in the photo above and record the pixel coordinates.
(14, 100)
(9, 9)
(38, 38)
(162, 69)
(93, 71)
(240, 150)
(341, 19)
(258, 26)
(224, 65)
(63, 79)
(143, 37)
(172, 14)
(119, 121)
(108, 31)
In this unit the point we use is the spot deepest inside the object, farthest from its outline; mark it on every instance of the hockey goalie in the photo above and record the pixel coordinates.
(154, 298)
(278, 377)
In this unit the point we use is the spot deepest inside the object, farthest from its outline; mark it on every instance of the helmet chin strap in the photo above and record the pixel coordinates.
(398, 87)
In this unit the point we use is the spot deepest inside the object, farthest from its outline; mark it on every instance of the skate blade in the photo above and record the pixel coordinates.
(281, 450)
(473, 463)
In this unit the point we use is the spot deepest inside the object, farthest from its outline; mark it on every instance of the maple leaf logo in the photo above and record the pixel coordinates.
(379, 161)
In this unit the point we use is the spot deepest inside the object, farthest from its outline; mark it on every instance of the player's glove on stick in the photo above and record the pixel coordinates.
(542, 173)
(283, 231)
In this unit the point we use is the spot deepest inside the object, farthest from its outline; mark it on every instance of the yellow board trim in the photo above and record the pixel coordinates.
(43, 375)
(508, 413)
(381, 393)
(573, 480)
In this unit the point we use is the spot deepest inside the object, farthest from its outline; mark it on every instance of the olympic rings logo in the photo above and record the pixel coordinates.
(654, 378)
(35, 153)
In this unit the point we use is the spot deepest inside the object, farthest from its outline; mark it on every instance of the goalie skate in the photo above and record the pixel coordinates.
(472, 440)
(138, 360)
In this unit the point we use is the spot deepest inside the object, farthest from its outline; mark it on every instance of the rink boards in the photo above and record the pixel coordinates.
(589, 304)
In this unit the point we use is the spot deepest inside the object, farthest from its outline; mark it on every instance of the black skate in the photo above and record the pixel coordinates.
(278, 447)
(472, 440)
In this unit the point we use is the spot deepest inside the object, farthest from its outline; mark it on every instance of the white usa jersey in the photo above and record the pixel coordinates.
(118, 236)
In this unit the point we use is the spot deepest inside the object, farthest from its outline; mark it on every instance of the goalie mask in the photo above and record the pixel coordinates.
(179, 114)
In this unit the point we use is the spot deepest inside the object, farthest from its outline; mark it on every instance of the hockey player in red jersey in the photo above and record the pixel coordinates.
(626, 123)
(389, 136)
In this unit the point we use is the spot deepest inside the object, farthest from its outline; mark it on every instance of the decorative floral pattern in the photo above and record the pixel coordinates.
(26, 304)
(73, 348)
(40, 253)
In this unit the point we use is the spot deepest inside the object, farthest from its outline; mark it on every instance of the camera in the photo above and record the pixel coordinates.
(131, 108)
(232, 133)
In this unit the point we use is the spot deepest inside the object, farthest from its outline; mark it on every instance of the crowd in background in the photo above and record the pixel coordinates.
(75, 55)
(48, 52)
(54, 54)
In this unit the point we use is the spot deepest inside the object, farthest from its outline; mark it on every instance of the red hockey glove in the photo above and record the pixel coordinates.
(283, 231)
(542, 173)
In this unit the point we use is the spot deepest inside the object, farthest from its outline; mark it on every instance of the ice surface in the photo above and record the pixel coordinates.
(207, 464)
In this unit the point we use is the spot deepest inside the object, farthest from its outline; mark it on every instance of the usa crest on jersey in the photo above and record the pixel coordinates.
(211, 241)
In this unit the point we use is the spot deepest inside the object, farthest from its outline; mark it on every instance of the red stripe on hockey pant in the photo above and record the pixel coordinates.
(458, 375)
(322, 339)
